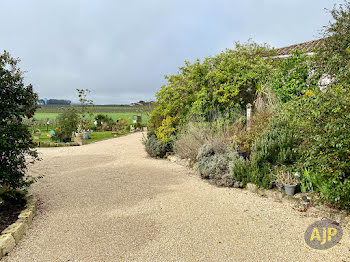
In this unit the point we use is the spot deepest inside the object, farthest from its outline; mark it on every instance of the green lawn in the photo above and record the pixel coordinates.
(115, 112)
(99, 109)
(114, 115)
(44, 136)
(95, 136)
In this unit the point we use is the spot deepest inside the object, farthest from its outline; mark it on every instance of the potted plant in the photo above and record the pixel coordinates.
(288, 181)
(79, 138)
(37, 134)
(86, 133)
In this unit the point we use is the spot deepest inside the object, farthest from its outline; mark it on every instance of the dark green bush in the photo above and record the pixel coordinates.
(333, 56)
(323, 122)
(155, 147)
(105, 119)
(240, 169)
(150, 133)
(17, 102)
(57, 136)
(291, 77)
(11, 196)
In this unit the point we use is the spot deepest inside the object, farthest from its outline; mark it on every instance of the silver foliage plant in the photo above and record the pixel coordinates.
(213, 163)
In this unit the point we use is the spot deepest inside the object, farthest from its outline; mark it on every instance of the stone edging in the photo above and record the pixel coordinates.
(309, 208)
(11, 235)
(53, 144)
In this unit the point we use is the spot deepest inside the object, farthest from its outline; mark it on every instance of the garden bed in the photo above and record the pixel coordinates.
(18, 219)
(9, 214)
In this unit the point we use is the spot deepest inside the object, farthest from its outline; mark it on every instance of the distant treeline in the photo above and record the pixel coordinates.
(63, 102)
(54, 102)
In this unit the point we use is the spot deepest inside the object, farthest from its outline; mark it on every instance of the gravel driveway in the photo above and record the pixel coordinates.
(108, 201)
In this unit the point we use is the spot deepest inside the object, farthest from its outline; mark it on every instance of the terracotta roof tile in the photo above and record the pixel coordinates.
(306, 46)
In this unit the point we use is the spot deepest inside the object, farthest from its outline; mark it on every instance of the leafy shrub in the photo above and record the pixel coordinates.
(213, 163)
(11, 196)
(222, 84)
(274, 148)
(151, 133)
(155, 119)
(100, 118)
(68, 121)
(292, 77)
(333, 55)
(124, 125)
(155, 147)
(310, 133)
(138, 125)
(57, 136)
(245, 139)
(239, 169)
(167, 129)
(17, 102)
(309, 182)
(323, 122)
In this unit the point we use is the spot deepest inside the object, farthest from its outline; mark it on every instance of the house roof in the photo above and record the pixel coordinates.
(306, 46)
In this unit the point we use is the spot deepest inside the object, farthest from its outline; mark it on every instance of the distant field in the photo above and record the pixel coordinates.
(113, 115)
(115, 112)
(99, 109)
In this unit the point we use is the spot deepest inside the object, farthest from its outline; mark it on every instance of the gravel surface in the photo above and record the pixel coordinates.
(108, 201)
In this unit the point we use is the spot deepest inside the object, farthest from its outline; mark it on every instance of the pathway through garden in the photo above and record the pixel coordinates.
(109, 201)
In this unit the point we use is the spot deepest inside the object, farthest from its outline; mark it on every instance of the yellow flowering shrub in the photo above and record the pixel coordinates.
(167, 129)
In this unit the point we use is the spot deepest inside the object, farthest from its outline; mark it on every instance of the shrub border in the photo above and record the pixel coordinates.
(310, 208)
(11, 235)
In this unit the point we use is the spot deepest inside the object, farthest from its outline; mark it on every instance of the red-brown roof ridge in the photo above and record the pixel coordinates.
(306, 46)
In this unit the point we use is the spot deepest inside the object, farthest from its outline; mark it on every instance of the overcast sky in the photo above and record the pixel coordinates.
(122, 49)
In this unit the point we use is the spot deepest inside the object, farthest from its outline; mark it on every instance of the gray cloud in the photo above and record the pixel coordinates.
(122, 49)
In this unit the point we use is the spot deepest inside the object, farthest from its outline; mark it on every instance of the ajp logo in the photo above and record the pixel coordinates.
(323, 234)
